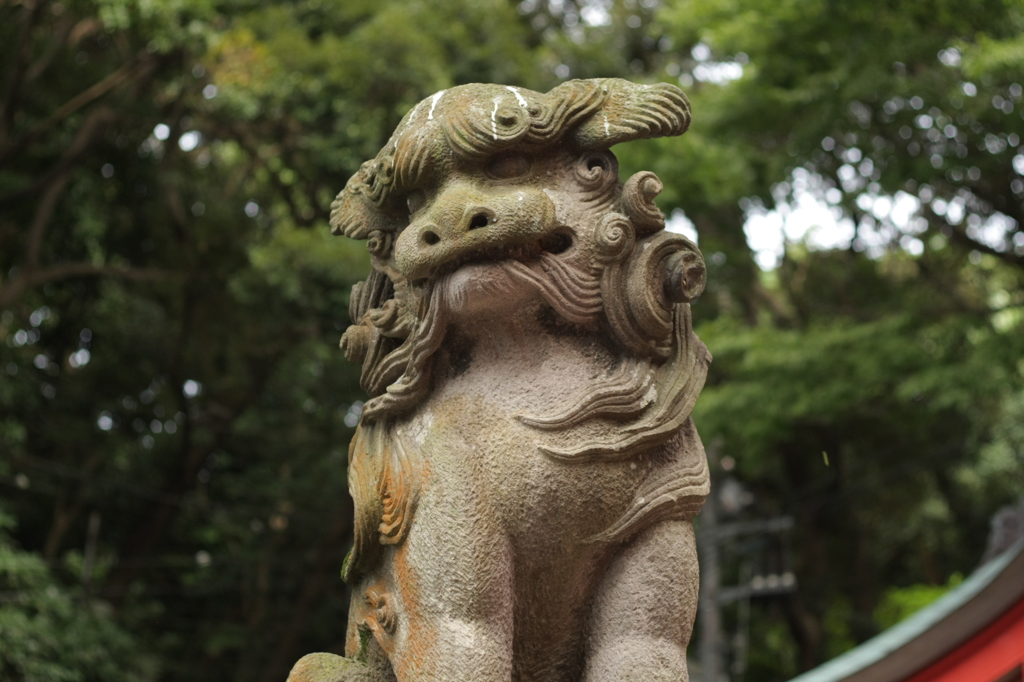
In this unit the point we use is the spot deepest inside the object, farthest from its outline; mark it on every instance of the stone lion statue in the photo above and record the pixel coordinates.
(526, 470)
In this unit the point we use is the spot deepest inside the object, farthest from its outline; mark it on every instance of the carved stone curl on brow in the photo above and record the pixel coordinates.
(597, 173)
(637, 202)
(379, 243)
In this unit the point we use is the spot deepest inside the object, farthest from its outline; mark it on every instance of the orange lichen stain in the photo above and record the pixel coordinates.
(422, 637)
(380, 616)
(398, 488)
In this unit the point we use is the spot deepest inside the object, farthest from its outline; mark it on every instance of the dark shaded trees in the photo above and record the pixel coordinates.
(170, 300)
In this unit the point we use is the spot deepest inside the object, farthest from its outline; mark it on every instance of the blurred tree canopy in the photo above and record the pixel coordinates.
(174, 413)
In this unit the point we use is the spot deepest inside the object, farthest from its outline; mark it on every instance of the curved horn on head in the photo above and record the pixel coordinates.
(634, 112)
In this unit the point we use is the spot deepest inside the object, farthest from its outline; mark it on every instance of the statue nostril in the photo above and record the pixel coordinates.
(430, 238)
(479, 220)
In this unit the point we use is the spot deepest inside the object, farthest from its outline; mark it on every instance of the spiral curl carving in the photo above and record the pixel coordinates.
(383, 611)
(614, 237)
(379, 243)
(379, 179)
(685, 276)
(562, 109)
(632, 112)
(598, 176)
(476, 132)
(637, 201)
(356, 211)
(637, 300)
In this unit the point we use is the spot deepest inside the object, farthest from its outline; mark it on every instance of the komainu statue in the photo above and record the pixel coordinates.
(526, 471)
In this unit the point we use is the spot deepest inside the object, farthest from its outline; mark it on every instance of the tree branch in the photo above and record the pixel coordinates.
(30, 14)
(153, 523)
(44, 211)
(127, 73)
(327, 561)
(48, 202)
(958, 235)
(40, 66)
(87, 134)
(20, 283)
(57, 180)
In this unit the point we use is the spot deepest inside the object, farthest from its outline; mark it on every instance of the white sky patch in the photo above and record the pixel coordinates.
(994, 232)
(190, 140)
(765, 237)
(904, 208)
(595, 13)
(680, 224)
(802, 218)
(433, 104)
(899, 210)
(950, 56)
(718, 73)
(805, 217)
(79, 358)
(519, 98)
(191, 388)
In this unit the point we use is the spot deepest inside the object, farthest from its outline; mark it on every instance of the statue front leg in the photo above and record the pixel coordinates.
(453, 595)
(644, 609)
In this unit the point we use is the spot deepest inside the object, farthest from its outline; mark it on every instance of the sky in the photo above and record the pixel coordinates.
(808, 216)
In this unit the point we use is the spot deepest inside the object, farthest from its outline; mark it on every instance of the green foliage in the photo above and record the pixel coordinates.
(168, 345)
(49, 633)
(170, 300)
(773, 653)
(899, 603)
(903, 368)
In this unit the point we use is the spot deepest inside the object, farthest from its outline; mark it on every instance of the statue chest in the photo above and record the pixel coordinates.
(479, 457)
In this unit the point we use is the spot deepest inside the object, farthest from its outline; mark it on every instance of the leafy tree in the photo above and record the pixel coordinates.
(895, 356)
(170, 299)
(50, 634)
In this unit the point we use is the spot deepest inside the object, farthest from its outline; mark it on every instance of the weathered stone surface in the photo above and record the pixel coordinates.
(526, 470)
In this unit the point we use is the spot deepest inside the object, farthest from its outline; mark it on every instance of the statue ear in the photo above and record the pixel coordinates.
(634, 112)
(358, 210)
(354, 215)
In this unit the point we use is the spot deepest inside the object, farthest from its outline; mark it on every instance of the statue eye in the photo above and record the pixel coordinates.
(507, 166)
(416, 200)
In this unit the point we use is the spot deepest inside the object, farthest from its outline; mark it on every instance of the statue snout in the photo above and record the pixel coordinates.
(456, 227)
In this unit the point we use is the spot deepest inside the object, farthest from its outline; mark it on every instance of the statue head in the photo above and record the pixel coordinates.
(488, 196)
